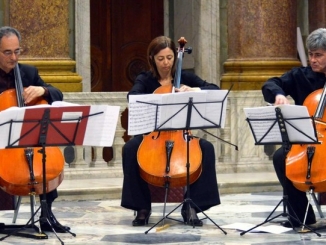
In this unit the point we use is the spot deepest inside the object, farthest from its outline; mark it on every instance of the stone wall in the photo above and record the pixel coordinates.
(248, 158)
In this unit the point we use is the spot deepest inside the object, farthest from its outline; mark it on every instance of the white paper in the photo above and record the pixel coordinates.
(100, 128)
(170, 111)
(275, 229)
(267, 117)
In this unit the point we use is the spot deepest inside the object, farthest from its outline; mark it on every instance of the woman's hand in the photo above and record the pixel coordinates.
(185, 88)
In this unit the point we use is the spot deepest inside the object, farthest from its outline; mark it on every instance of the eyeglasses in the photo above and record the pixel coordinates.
(9, 53)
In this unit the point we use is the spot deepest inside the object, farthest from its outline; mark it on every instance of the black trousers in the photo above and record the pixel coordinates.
(297, 199)
(50, 196)
(136, 194)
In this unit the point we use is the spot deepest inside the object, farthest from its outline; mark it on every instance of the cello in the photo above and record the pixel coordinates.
(21, 170)
(305, 163)
(162, 155)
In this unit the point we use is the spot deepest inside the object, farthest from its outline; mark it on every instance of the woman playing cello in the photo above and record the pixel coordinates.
(298, 83)
(162, 58)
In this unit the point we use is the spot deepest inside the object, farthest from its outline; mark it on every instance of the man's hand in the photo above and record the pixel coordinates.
(281, 100)
(32, 92)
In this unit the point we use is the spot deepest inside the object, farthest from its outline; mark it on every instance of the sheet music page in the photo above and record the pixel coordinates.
(141, 116)
(172, 110)
(15, 114)
(64, 103)
(177, 109)
(266, 116)
(215, 109)
(101, 127)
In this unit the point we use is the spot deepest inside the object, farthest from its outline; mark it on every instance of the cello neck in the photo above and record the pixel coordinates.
(182, 42)
(19, 87)
(321, 105)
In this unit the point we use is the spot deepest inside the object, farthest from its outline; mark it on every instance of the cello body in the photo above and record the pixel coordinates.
(305, 164)
(152, 159)
(16, 175)
(153, 156)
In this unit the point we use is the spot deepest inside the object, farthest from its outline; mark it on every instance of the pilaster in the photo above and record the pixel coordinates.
(261, 42)
(44, 26)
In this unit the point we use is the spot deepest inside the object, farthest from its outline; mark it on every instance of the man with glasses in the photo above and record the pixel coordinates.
(35, 87)
(299, 83)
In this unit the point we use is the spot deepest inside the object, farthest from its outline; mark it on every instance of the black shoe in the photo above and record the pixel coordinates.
(191, 218)
(57, 227)
(142, 217)
(54, 223)
(292, 224)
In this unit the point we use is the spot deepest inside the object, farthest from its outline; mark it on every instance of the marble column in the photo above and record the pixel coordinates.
(83, 39)
(317, 14)
(44, 26)
(261, 42)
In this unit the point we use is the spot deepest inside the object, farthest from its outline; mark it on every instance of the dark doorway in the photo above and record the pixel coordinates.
(120, 33)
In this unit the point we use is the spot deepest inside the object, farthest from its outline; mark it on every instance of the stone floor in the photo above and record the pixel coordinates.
(101, 220)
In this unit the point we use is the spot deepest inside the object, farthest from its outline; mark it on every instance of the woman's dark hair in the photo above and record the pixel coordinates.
(155, 46)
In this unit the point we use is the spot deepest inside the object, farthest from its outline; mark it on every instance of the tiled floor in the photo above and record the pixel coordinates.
(105, 222)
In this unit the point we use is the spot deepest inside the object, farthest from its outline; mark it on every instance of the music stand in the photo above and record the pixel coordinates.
(51, 126)
(286, 125)
(179, 116)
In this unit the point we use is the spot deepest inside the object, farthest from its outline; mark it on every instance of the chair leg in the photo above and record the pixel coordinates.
(312, 194)
(167, 189)
(17, 200)
(17, 206)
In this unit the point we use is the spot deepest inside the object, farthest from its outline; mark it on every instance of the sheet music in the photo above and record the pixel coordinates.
(141, 117)
(267, 117)
(171, 110)
(101, 128)
(97, 130)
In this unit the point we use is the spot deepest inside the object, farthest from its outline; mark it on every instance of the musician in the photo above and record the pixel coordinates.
(162, 57)
(10, 49)
(298, 83)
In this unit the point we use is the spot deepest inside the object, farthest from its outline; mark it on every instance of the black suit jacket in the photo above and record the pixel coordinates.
(30, 77)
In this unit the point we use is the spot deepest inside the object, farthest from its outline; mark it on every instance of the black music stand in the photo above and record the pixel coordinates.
(43, 127)
(191, 108)
(275, 130)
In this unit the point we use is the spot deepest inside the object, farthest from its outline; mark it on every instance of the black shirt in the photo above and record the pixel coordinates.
(146, 84)
(7, 80)
(297, 83)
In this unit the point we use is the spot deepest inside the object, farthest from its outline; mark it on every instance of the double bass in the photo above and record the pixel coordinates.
(21, 170)
(162, 155)
(305, 163)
